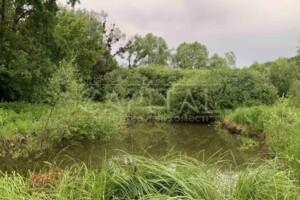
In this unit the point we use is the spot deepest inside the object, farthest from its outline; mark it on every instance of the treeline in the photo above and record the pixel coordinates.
(209, 91)
(36, 36)
(47, 49)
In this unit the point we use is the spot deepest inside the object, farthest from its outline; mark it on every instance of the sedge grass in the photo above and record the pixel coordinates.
(134, 177)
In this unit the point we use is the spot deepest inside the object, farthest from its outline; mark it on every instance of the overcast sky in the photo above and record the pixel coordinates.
(259, 30)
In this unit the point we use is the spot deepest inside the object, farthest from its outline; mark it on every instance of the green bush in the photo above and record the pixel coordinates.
(85, 121)
(216, 90)
(123, 84)
(146, 84)
(27, 130)
(196, 95)
(21, 118)
(282, 75)
(64, 85)
(160, 78)
(244, 87)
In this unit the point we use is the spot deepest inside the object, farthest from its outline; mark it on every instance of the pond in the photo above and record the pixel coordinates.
(201, 141)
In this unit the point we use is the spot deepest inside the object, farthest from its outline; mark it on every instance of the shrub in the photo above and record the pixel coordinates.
(160, 78)
(27, 130)
(64, 84)
(85, 121)
(217, 90)
(282, 75)
(244, 87)
(21, 118)
(123, 84)
(146, 84)
(196, 95)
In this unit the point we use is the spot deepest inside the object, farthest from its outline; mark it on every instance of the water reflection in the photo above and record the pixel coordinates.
(154, 140)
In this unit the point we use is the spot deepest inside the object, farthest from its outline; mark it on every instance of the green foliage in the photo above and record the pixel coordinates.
(64, 85)
(27, 53)
(217, 62)
(193, 96)
(214, 91)
(123, 84)
(265, 182)
(244, 87)
(20, 118)
(148, 50)
(280, 126)
(85, 121)
(33, 41)
(254, 118)
(191, 56)
(282, 75)
(249, 144)
(27, 128)
(132, 177)
(294, 94)
(160, 77)
(139, 113)
(147, 84)
(282, 134)
(80, 35)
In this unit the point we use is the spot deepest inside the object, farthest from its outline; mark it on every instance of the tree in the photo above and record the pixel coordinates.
(148, 50)
(282, 75)
(216, 62)
(64, 86)
(83, 35)
(191, 56)
(35, 43)
(231, 59)
(13, 12)
(27, 56)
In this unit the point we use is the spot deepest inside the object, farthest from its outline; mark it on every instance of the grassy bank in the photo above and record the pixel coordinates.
(28, 128)
(278, 125)
(142, 178)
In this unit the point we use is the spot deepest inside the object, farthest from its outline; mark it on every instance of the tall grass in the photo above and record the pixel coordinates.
(253, 118)
(28, 128)
(280, 126)
(131, 177)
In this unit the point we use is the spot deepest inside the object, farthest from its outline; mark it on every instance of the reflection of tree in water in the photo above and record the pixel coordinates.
(188, 139)
(159, 139)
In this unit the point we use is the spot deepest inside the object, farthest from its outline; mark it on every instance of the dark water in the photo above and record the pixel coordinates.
(155, 140)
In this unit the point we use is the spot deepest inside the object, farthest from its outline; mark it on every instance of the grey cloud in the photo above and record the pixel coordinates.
(254, 30)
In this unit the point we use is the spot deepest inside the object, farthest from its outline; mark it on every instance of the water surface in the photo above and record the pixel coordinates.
(151, 139)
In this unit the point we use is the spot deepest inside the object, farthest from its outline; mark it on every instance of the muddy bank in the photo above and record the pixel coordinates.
(239, 129)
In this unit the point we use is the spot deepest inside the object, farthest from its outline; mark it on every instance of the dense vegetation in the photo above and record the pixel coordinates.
(60, 83)
(142, 178)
